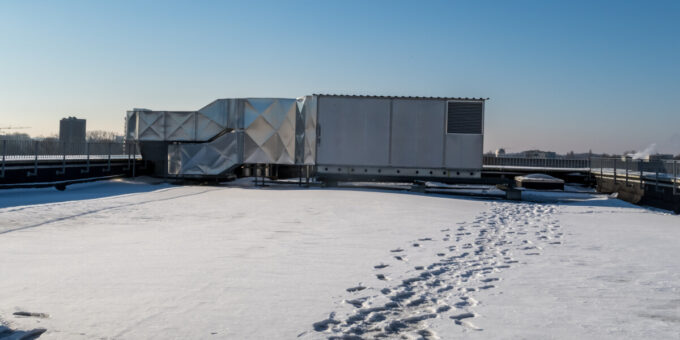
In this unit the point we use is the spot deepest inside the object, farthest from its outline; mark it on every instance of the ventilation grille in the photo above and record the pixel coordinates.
(464, 117)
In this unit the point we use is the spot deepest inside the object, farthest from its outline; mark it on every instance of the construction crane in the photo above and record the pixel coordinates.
(13, 128)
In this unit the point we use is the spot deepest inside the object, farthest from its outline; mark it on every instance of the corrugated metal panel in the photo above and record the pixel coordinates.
(464, 117)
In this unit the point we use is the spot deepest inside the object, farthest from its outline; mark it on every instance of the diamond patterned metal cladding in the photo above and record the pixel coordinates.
(215, 117)
(150, 125)
(299, 131)
(180, 126)
(310, 131)
(269, 131)
(305, 132)
(213, 158)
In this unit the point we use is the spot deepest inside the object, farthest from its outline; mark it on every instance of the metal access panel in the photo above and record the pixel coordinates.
(417, 133)
(464, 151)
(353, 131)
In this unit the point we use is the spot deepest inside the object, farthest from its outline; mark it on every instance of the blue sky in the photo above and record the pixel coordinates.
(572, 75)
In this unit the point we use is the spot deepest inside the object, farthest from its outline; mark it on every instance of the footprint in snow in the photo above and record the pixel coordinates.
(356, 289)
(358, 303)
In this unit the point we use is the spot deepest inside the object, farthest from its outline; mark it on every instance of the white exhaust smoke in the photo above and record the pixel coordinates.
(650, 150)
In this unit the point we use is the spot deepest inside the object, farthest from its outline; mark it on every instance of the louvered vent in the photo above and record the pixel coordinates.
(464, 117)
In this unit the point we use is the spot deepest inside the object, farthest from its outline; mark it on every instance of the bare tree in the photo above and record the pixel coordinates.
(15, 136)
(102, 136)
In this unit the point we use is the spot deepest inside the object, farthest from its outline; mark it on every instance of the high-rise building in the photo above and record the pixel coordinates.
(72, 130)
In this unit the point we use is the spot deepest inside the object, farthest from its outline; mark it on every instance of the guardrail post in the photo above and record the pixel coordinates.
(35, 160)
(656, 178)
(4, 152)
(63, 160)
(627, 166)
(87, 151)
(640, 167)
(134, 160)
(675, 177)
(126, 148)
(615, 170)
(108, 163)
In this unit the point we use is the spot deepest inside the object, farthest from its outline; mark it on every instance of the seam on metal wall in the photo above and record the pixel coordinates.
(483, 114)
(389, 142)
(317, 142)
(446, 121)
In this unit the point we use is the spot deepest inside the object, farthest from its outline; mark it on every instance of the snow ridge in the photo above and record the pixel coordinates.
(472, 255)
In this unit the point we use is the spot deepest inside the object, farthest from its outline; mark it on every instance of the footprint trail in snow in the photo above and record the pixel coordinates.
(470, 257)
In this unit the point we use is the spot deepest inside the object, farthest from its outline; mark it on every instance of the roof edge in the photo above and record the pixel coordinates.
(397, 97)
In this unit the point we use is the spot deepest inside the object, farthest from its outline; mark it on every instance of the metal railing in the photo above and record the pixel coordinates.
(37, 152)
(628, 171)
(656, 171)
(555, 163)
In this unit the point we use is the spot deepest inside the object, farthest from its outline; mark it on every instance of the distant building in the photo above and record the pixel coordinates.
(658, 157)
(500, 152)
(540, 154)
(72, 130)
(650, 158)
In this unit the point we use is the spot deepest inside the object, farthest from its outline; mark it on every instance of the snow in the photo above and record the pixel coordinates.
(126, 259)
(539, 178)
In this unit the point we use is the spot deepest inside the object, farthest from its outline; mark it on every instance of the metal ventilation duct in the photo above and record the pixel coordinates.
(341, 135)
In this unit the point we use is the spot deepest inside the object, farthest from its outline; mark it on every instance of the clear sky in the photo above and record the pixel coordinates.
(571, 75)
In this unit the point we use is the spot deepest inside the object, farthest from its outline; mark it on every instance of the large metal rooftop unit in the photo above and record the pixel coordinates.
(334, 136)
